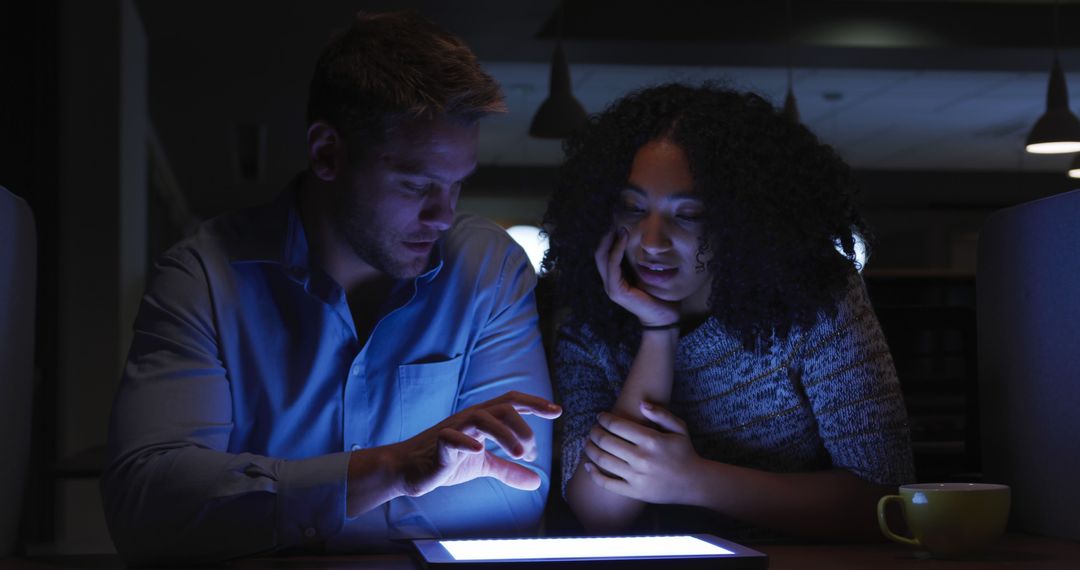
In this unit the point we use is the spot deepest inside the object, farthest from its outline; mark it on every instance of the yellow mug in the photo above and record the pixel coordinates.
(949, 520)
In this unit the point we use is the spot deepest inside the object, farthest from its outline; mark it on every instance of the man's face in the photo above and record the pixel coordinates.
(397, 199)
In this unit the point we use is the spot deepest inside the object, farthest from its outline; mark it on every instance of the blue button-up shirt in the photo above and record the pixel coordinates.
(246, 388)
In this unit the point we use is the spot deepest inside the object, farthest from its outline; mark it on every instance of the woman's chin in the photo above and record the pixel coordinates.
(663, 293)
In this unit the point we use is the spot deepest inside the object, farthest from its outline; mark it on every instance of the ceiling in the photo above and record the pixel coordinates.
(913, 85)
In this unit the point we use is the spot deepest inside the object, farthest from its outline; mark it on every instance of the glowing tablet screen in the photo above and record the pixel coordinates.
(586, 547)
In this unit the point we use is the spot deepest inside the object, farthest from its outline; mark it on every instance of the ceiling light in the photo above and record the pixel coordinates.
(1057, 130)
(560, 114)
(791, 108)
(1074, 168)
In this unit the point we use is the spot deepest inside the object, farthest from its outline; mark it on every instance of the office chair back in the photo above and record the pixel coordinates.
(18, 274)
(1028, 297)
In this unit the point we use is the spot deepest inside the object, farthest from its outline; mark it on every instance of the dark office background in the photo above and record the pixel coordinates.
(125, 122)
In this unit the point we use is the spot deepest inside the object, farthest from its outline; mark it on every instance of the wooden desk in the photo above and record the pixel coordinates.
(1014, 551)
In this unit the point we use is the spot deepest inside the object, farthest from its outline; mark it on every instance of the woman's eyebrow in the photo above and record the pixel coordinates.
(684, 195)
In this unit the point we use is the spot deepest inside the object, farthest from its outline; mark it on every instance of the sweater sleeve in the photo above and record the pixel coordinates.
(850, 381)
(583, 382)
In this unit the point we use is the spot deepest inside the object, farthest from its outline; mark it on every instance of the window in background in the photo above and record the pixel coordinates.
(533, 241)
(860, 251)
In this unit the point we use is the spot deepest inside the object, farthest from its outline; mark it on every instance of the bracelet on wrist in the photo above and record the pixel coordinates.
(669, 326)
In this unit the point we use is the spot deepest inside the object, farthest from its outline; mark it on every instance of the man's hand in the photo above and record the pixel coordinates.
(639, 462)
(452, 452)
(648, 309)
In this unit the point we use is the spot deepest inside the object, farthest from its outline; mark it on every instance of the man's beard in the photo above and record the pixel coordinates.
(374, 242)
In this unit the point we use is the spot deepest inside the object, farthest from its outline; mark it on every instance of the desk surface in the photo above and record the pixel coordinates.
(1014, 551)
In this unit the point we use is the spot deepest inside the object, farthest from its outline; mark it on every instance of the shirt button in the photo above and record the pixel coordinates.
(356, 447)
(355, 370)
(309, 532)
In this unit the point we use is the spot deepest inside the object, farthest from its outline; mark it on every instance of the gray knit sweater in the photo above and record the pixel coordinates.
(826, 397)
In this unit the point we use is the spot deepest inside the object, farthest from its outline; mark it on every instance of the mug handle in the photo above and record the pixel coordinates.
(885, 525)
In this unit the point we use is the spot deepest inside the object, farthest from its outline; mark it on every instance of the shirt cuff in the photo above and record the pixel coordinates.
(311, 499)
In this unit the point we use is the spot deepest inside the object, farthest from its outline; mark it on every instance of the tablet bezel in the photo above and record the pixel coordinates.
(434, 555)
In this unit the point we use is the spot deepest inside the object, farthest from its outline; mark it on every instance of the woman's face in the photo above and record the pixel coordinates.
(665, 219)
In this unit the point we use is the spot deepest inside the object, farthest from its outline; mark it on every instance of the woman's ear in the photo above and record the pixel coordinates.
(326, 151)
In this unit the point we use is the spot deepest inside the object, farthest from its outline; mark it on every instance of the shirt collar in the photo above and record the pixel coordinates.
(271, 233)
(435, 265)
(294, 254)
(278, 236)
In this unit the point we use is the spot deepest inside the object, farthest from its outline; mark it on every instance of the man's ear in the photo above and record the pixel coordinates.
(326, 151)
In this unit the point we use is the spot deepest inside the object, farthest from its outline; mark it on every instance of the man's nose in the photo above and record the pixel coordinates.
(438, 211)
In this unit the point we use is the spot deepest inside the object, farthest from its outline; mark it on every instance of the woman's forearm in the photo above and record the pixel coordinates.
(650, 379)
(651, 374)
(600, 511)
(833, 504)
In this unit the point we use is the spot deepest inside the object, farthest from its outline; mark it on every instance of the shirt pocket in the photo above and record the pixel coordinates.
(427, 392)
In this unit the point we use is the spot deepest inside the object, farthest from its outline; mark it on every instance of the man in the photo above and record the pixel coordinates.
(351, 364)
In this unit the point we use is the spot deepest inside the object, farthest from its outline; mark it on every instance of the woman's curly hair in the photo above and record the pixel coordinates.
(777, 203)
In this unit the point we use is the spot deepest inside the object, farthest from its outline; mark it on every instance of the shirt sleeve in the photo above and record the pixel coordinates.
(172, 493)
(508, 354)
(851, 383)
(585, 388)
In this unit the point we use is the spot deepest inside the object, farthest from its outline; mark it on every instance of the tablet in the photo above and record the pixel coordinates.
(670, 552)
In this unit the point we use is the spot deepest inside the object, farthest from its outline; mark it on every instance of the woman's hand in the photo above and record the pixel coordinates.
(639, 462)
(648, 309)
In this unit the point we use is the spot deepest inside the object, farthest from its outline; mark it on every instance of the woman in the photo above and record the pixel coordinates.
(720, 352)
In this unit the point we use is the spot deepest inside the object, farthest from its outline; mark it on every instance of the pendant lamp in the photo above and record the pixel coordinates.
(791, 108)
(1058, 130)
(1074, 168)
(560, 114)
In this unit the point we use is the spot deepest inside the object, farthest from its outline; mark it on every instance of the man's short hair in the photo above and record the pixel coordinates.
(396, 66)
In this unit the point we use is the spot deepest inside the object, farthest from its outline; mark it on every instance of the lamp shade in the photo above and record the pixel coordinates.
(560, 114)
(1057, 130)
(791, 108)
